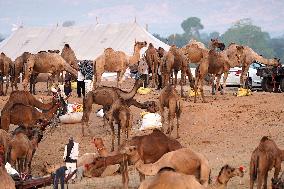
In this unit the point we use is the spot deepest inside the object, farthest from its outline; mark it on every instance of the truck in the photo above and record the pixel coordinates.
(272, 78)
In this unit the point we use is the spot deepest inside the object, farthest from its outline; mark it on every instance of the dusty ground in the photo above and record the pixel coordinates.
(225, 130)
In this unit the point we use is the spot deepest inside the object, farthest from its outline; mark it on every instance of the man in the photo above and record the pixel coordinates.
(80, 82)
(71, 153)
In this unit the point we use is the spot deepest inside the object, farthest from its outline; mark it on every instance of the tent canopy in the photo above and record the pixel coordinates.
(88, 42)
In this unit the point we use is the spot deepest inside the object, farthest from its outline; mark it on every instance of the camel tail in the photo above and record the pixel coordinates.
(69, 69)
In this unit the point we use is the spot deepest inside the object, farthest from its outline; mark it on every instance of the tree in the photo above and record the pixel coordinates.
(68, 23)
(244, 32)
(191, 26)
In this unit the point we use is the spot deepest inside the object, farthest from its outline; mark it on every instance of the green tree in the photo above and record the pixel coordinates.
(245, 33)
(277, 44)
(191, 26)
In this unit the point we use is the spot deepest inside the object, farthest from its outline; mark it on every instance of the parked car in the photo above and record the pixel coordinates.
(253, 80)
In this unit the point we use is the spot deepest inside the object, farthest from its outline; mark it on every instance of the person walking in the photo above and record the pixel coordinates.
(70, 157)
(80, 82)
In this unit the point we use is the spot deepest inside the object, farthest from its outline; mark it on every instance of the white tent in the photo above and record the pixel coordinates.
(88, 42)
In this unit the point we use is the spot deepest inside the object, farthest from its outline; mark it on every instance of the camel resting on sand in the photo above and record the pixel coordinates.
(45, 62)
(30, 118)
(266, 156)
(167, 178)
(183, 160)
(156, 142)
(115, 61)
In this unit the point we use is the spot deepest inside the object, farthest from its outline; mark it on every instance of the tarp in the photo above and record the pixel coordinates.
(88, 42)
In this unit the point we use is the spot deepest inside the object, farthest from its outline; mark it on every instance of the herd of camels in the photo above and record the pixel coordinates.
(171, 164)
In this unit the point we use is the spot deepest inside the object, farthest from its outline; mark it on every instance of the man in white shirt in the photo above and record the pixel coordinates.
(80, 82)
(71, 153)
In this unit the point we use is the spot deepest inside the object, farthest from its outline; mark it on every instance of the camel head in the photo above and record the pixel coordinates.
(139, 45)
(99, 144)
(275, 61)
(131, 152)
(216, 44)
(227, 172)
(161, 52)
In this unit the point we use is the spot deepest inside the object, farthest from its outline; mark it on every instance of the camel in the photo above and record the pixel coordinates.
(115, 61)
(45, 62)
(4, 140)
(119, 113)
(18, 68)
(248, 57)
(183, 160)
(6, 180)
(173, 61)
(22, 150)
(69, 56)
(167, 178)
(266, 156)
(216, 63)
(153, 61)
(5, 68)
(169, 98)
(26, 98)
(150, 147)
(105, 96)
(32, 116)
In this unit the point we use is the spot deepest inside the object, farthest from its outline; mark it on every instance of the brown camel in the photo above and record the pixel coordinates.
(183, 160)
(150, 147)
(105, 96)
(32, 116)
(4, 140)
(69, 56)
(169, 98)
(26, 98)
(167, 178)
(119, 113)
(174, 61)
(5, 68)
(266, 156)
(215, 63)
(45, 62)
(249, 56)
(18, 68)
(153, 61)
(6, 180)
(22, 150)
(115, 61)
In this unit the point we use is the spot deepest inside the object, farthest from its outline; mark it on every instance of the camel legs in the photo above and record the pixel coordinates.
(260, 177)
(28, 73)
(225, 80)
(218, 83)
(199, 82)
(277, 168)
(162, 110)
(125, 176)
(112, 135)
(244, 75)
(153, 85)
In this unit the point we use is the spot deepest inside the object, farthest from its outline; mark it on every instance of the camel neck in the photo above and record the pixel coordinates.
(135, 57)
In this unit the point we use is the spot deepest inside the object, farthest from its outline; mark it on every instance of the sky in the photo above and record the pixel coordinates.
(162, 16)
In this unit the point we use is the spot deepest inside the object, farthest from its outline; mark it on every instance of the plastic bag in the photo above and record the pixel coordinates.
(150, 121)
(143, 90)
(100, 113)
(74, 117)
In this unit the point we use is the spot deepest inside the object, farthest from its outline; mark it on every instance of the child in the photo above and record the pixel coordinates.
(67, 88)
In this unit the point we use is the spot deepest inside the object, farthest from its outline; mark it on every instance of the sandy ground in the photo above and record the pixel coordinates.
(225, 130)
